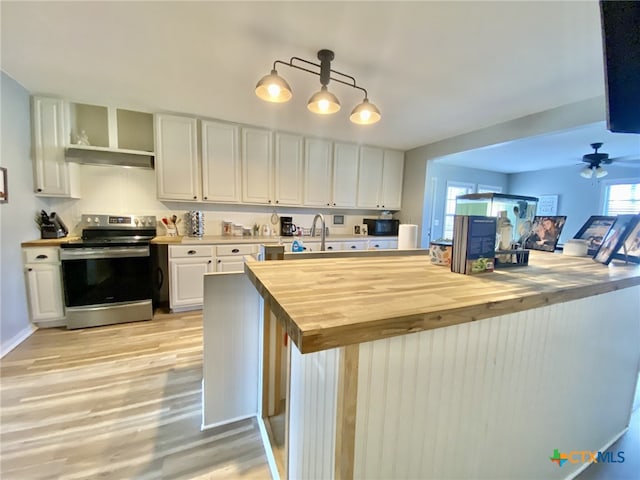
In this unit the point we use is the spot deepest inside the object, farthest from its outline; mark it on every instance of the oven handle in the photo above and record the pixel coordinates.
(98, 253)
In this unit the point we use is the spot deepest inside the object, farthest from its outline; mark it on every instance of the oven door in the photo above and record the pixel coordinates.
(98, 276)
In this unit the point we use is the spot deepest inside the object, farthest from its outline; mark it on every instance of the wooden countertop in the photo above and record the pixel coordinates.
(48, 242)
(340, 301)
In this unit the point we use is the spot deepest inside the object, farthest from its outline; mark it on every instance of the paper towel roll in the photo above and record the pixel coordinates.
(407, 236)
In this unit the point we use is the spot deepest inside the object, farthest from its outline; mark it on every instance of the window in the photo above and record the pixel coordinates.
(454, 189)
(622, 198)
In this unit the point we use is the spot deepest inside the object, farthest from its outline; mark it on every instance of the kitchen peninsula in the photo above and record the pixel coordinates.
(532, 359)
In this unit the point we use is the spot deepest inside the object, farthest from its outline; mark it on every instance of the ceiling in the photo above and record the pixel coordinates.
(435, 69)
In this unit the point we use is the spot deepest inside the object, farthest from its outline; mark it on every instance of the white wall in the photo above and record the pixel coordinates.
(17, 216)
(578, 198)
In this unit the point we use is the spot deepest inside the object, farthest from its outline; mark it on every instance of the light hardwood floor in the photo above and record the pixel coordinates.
(117, 402)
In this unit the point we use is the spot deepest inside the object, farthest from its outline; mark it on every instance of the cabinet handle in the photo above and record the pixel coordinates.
(235, 250)
(268, 201)
(38, 190)
(206, 198)
(328, 204)
(382, 206)
(210, 261)
(377, 206)
(329, 248)
(377, 246)
(277, 201)
(29, 269)
(353, 246)
(219, 261)
(42, 257)
(191, 252)
(195, 197)
(334, 204)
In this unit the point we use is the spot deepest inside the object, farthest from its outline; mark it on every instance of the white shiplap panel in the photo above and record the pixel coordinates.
(231, 348)
(494, 398)
(312, 414)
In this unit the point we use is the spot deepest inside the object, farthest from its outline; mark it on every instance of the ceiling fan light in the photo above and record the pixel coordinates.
(365, 113)
(601, 172)
(586, 172)
(273, 88)
(323, 102)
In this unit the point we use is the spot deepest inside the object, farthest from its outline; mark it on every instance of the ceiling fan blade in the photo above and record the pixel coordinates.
(626, 158)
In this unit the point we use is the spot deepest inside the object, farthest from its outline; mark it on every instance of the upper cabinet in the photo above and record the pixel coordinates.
(220, 162)
(177, 172)
(317, 172)
(53, 175)
(288, 169)
(392, 176)
(380, 178)
(257, 166)
(345, 174)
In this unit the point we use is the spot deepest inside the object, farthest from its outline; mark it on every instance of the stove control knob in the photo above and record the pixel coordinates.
(136, 221)
(97, 220)
(88, 219)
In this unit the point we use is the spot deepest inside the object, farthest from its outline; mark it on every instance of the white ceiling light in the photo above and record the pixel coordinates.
(601, 172)
(586, 172)
(273, 88)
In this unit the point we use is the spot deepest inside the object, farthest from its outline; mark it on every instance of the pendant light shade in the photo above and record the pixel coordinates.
(365, 114)
(323, 102)
(586, 172)
(601, 172)
(273, 88)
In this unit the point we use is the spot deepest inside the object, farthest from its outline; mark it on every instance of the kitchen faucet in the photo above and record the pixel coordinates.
(322, 233)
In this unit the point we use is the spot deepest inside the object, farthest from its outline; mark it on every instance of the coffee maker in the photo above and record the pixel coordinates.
(287, 228)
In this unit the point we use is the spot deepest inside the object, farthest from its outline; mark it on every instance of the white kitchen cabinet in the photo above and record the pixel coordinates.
(54, 176)
(380, 178)
(230, 258)
(257, 166)
(317, 173)
(354, 245)
(177, 171)
(382, 244)
(220, 162)
(392, 176)
(288, 169)
(187, 266)
(345, 174)
(43, 280)
(370, 177)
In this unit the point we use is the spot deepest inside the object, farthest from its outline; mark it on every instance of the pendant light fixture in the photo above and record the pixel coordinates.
(274, 88)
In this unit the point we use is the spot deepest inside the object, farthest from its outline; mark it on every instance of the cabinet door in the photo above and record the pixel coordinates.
(220, 162)
(369, 177)
(186, 281)
(230, 264)
(44, 285)
(53, 175)
(345, 174)
(257, 166)
(391, 195)
(177, 174)
(317, 173)
(288, 171)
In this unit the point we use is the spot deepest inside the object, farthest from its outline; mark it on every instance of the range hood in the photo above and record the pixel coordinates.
(109, 156)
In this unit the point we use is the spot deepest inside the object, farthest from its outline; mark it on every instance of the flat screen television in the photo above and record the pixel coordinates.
(621, 46)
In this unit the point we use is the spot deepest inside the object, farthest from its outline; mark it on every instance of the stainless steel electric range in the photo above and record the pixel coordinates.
(107, 274)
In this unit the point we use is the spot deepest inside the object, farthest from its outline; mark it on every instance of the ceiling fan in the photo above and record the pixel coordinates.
(596, 160)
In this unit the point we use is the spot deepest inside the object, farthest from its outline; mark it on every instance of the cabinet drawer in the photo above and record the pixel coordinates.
(225, 250)
(354, 246)
(41, 255)
(190, 251)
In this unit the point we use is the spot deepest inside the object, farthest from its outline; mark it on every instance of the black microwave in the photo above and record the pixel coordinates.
(380, 227)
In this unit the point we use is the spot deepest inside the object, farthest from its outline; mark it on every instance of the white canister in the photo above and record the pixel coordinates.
(575, 247)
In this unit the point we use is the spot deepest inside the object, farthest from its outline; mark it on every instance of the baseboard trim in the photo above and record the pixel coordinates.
(16, 340)
(225, 422)
(271, 460)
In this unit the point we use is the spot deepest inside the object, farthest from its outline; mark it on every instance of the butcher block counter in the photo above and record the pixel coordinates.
(341, 301)
(401, 369)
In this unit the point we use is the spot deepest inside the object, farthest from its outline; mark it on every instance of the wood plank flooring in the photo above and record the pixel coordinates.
(117, 402)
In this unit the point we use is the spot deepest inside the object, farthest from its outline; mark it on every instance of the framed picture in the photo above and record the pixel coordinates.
(357, 229)
(614, 238)
(4, 189)
(630, 248)
(545, 232)
(594, 230)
